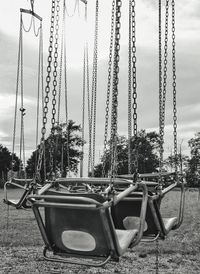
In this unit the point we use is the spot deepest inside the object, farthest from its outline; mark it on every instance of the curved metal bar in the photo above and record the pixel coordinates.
(76, 261)
(52, 198)
(142, 214)
(182, 205)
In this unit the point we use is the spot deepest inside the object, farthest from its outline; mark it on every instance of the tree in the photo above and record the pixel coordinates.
(182, 162)
(145, 146)
(66, 143)
(193, 171)
(6, 162)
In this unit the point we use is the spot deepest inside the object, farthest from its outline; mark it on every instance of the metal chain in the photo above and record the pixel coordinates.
(129, 87)
(17, 92)
(22, 110)
(115, 92)
(54, 94)
(157, 256)
(174, 85)
(61, 63)
(47, 90)
(92, 124)
(108, 87)
(160, 85)
(134, 87)
(40, 88)
(162, 117)
(83, 112)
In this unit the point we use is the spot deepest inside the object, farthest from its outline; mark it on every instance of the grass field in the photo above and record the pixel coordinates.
(21, 245)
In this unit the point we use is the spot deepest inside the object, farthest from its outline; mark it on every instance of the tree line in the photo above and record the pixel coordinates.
(67, 155)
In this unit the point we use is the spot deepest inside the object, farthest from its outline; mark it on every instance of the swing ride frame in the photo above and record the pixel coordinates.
(115, 246)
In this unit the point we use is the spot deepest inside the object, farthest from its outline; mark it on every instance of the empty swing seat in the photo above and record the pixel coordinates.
(79, 227)
(126, 215)
(25, 186)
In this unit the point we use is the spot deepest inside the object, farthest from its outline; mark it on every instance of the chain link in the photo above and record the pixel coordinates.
(115, 92)
(47, 90)
(95, 85)
(157, 256)
(129, 87)
(164, 86)
(134, 88)
(54, 94)
(108, 87)
(92, 117)
(174, 85)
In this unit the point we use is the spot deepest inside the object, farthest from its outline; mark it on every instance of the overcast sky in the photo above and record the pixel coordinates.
(188, 66)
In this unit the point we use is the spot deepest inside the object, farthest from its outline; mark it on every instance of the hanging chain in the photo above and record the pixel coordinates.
(17, 92)
(84, 97)
(129, 87)
(115, 92)
(108, 87)
(174, 85)
(163, 97)
(157, 256)
(22, 110)
(47, 90)
(160, 86)
(40, 88)
(95, 85)
(92, 124)
(54, 94)
(134, 88)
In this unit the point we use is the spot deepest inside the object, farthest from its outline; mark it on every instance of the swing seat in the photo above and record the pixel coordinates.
(21, 202)
(126, 215)
(27, 188)
(169, 223)
(78, 228)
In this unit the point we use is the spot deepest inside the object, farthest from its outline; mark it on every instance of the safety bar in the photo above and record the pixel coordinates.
(92, 180)
(147, 175)
(142, 214)
(14, 184)
(66, 199)
(124, 194)
(182, 204)
(167, 189)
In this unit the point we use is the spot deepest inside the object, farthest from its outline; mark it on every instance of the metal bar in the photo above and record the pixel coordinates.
(94, 181)
(66, 199)
(76, 261)
(124, 193)
(63, 205)
(41, 226)
(146, 175)
(142, 214)
(167, 189)
(32, 13)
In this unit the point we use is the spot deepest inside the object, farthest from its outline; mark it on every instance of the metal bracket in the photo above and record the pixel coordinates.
(32, 13)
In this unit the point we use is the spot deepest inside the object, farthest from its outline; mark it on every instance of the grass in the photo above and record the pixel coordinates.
(21, 245)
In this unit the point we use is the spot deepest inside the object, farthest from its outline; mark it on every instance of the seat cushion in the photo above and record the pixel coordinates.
(169, 223)
(13, 202)
(125, 237)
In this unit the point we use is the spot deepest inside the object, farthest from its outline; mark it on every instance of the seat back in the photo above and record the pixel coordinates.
(126, 215)
(79, 225)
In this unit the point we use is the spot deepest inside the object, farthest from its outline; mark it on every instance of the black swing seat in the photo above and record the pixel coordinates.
(26, 186)
(126, 215)
(80, 228)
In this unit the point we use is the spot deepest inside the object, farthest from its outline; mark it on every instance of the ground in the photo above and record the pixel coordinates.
(21, 245)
